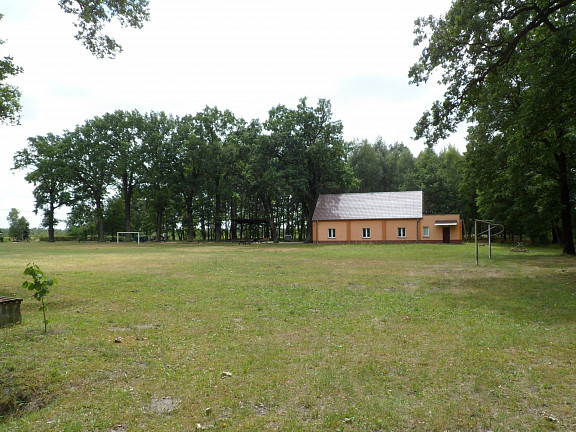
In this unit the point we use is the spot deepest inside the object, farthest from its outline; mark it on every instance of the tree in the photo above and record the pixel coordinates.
(310, 145)
(49, 176)
(92, 17)
(264, 175)
(124, 137)
(367, 163)
(400, 166)
(190, 167)
(19, 226)
(158, 159)
(9, 94)
(438, 176)
(506, 64)
(510, 188)
(217, 131)
(90, 161)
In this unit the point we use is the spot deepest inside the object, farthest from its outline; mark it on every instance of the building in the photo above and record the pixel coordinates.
(381, 217)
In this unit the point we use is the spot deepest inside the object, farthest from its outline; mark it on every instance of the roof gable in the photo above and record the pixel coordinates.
(377, 205)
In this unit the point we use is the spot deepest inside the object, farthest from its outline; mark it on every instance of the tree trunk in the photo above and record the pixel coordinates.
(270, 218)
(51, 223)
(127, 194)
(189, 219)
(203, 228)
(100, 221)
(217, 219)
(566, 213)
(307, 214)
(233, 216)
(159, 216)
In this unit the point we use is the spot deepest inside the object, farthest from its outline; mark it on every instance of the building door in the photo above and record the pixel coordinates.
(446, 235)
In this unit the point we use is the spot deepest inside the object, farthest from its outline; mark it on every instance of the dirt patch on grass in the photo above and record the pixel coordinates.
(163, 405)
(17, 399)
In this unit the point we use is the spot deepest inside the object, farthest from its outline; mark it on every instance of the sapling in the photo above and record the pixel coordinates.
(40, 285)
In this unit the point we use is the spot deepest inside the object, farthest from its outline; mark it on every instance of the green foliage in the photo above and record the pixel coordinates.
(213, 169)
(310, 146)
(9, 94)
(505, 66)
(19, 227)
(50, 175)
(94, 15)
(41, 284)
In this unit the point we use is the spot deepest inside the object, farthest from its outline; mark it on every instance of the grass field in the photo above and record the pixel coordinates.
(179, 337)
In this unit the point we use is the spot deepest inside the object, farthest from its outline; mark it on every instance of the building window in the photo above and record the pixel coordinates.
(401, 232)
(332, 233)
(366, 233)
(425, 231)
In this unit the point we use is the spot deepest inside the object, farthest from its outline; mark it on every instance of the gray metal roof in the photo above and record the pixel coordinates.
(376, 205)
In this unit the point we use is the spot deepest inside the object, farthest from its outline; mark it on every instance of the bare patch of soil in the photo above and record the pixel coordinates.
(164, 405)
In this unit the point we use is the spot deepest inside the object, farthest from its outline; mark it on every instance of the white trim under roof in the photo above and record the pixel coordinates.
(446, 223)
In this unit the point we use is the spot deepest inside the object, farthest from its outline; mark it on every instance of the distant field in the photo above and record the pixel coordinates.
(179, 337)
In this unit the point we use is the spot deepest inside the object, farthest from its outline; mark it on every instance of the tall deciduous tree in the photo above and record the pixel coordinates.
(90, 160)
(368, 163)
(311, 146)
(124, 138)
(217, 130)
(49, 175)
(507, 64)
(189, 167)
(264, 178)
(18, 224)
(159, 156)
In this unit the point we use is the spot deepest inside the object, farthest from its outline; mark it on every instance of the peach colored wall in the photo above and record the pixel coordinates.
(356, 227)
(436, 232)
(339, 226)
(392, 226)
(387, 230)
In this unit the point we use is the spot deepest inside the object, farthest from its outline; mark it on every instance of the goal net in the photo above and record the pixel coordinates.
(123, 234)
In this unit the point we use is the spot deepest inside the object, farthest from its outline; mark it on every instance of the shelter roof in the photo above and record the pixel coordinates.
(250, 221)
(376, 205)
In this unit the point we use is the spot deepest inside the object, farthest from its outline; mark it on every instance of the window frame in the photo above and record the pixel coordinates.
(366, 233)
(425, 231)
(401, 232)
(331, 233)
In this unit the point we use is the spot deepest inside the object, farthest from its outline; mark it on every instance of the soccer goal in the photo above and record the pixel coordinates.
(127, 232)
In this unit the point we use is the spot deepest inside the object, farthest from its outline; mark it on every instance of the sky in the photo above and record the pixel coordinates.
(245, 56)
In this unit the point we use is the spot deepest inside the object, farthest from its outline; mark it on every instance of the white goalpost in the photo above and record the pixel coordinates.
(127, 232)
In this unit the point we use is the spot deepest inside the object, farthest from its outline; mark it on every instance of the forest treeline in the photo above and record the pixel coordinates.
(208, 175)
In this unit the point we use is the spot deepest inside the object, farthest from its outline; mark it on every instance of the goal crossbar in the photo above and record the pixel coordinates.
(127, 232)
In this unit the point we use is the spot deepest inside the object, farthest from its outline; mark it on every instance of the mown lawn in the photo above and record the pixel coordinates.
(181, 337)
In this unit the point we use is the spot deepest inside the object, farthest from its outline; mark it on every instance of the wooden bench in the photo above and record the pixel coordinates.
(10, 311)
